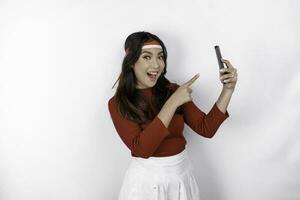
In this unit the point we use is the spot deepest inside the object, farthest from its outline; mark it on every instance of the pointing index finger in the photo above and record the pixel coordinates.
(191, 81)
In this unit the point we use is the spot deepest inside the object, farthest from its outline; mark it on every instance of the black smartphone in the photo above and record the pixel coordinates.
(219, 57)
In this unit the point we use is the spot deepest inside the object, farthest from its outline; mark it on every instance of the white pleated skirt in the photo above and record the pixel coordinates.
(160, 178)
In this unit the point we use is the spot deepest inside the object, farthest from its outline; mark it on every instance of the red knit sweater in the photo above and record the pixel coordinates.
(154, 139)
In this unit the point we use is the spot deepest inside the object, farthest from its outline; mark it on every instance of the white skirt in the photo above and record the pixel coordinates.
(160, 178)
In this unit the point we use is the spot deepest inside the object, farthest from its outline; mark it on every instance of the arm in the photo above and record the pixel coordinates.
(224, 99)
(167, 112)
(142, 142)
(203, 124)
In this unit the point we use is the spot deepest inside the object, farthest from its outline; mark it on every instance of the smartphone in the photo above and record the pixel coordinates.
(219, 57)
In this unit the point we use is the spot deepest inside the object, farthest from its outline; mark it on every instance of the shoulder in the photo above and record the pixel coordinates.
(111, 99)
(111, 102)
(174, 86)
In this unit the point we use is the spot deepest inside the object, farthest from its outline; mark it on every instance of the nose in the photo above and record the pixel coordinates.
(155, 64)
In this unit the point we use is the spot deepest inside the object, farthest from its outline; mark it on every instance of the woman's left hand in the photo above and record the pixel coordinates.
(230, 78)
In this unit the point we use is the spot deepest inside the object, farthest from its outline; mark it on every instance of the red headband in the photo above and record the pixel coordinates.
(152, 44)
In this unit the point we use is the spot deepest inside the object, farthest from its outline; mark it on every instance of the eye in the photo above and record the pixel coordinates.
(149, 57)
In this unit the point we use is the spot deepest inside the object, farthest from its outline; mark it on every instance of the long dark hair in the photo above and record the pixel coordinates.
(130, 102)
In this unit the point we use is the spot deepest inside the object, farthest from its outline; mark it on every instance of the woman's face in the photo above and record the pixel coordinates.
(150, 60)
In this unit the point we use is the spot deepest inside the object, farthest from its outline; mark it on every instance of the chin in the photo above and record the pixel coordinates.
(152, 83)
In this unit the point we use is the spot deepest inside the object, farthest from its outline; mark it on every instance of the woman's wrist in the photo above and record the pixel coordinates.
(226, 90)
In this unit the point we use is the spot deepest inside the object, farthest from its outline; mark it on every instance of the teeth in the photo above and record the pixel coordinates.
(154, 73)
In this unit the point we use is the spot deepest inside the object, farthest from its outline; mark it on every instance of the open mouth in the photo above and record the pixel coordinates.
(152, 75)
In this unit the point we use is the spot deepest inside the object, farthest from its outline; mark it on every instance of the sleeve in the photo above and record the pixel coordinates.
(203, 124)
(142, 143)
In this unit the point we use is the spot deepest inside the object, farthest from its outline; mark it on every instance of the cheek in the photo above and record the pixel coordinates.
(140, 74)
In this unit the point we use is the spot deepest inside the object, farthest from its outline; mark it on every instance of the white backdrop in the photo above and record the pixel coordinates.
(59, 60)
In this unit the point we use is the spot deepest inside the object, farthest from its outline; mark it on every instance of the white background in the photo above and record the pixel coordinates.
(59, 60)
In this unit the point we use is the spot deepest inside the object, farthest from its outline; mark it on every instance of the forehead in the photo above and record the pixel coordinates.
(152, 50)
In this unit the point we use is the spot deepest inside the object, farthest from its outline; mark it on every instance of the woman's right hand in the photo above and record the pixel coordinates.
(183, 93)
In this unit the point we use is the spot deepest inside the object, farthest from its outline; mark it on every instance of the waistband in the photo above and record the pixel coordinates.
(164, 161)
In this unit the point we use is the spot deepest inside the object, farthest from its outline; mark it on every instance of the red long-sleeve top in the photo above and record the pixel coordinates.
(157, 140)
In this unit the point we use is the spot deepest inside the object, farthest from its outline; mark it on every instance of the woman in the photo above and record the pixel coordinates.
(149, 112)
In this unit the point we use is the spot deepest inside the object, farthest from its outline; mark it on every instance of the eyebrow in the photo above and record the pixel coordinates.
(151, 53)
